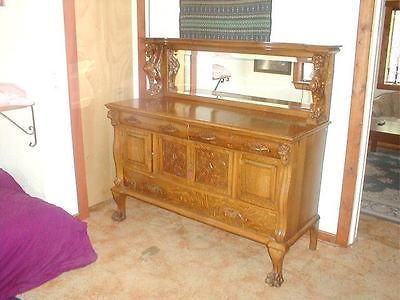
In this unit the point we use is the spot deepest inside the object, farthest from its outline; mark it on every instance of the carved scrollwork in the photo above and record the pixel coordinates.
(317, 85)
(190, 200)
(258, 147)
(118, 181)
(283, 152)
(131, 183)
(152, 68)
(173, 68)
(113, 116)
(280, 234)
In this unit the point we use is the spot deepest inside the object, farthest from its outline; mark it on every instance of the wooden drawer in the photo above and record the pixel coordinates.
(202, 206)
(230, 140)
(162, 126)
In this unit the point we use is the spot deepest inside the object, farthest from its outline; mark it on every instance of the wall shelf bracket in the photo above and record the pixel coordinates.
(31, 129)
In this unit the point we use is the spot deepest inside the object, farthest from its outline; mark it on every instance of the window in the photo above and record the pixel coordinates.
(389, 62)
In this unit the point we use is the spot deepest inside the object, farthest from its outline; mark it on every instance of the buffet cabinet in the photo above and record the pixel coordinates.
(250, 171)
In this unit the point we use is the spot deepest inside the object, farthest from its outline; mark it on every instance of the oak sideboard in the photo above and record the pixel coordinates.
(231, 134)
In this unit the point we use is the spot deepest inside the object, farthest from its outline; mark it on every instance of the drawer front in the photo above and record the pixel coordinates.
(236, 214)
(234, 141)
(257, 181)
(162, 126)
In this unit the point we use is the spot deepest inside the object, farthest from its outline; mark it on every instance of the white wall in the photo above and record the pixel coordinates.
(164, 18)
(331, 22)
(32, 55)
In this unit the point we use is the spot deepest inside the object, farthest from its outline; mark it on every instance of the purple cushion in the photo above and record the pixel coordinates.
(38, 242)
(8, 182)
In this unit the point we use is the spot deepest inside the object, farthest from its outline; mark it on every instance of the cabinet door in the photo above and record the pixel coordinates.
(171, 157)
(258, 180)
(137, 149)
(213, 168)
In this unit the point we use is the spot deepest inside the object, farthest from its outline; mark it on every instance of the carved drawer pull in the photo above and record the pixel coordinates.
(132, 120)
(207, 136)
(259, 147)
(168, 129)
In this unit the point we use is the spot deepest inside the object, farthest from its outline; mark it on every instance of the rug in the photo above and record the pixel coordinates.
(226, 19)
(381, 193)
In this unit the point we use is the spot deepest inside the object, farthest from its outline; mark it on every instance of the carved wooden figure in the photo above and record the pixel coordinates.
(253, 169)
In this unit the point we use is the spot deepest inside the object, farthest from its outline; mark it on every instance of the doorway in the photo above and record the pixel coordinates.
(363, 95)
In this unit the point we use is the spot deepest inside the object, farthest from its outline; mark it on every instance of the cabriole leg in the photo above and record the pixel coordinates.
(314, 236)
(120, 199)
(277, 253)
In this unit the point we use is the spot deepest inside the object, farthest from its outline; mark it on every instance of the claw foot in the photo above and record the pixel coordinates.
(118, 216)
(274, 279)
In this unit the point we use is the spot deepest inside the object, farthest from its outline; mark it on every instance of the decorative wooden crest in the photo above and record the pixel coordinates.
(317, 86)
(152, 68)
(173, 68)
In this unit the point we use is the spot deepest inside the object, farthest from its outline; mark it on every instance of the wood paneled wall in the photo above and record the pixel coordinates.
(104, 42)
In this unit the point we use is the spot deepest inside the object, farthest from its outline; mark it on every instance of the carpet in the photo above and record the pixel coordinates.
(381, 193)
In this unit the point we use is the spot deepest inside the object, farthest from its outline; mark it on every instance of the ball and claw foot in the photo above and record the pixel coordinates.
(274, 279)
(118, 216)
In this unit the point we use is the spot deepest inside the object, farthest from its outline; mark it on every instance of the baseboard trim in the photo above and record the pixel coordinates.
(327, 237)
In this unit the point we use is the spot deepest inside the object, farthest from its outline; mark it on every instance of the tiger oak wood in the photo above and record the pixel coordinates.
(253, 172)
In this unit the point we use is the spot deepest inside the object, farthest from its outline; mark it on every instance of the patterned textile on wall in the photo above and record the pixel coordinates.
(226, 19)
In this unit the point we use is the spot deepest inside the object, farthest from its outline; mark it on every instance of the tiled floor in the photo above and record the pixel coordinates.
(156, 254)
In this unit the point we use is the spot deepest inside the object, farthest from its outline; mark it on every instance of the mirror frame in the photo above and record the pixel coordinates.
(161, 67)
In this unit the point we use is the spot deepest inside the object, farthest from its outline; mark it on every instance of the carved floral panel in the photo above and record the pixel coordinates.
(212, 168)
(174, 158)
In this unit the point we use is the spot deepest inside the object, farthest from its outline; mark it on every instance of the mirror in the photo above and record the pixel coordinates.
(260, 79)
(262, 76)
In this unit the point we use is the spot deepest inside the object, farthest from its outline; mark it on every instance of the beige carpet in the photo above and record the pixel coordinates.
(156, 254)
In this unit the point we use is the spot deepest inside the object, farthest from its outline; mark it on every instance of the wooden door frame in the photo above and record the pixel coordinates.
(358, 99)
(75, 107)
(141, 27)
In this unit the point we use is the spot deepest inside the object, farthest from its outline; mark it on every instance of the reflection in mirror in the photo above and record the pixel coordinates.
(250, 78)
